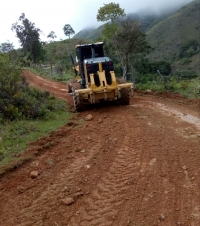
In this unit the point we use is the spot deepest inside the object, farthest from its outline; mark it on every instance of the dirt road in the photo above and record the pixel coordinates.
(135, 165)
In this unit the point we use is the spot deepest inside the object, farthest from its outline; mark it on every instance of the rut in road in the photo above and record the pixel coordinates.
(110, 194)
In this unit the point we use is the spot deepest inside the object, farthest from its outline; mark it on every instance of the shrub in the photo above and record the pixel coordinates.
(145, 78)
(185, 61)
(17, 99)
(189, 49)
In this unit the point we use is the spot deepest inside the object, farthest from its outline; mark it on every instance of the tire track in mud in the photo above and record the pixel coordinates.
(49, 198)
(165, 162)
(110, 194)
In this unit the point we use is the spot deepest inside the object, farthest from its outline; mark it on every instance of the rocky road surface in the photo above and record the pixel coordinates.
(135, 165)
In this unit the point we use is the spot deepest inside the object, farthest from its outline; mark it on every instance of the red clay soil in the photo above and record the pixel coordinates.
(135, 165)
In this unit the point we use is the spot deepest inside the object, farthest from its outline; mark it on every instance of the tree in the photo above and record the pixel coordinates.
(51, 36)
(124, 38)
(6, 47)
(109, 30)
(110, 11)
(29, 37)
(129, 41)
(68, 30)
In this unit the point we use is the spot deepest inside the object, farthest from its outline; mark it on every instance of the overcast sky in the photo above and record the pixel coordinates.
(52, 15)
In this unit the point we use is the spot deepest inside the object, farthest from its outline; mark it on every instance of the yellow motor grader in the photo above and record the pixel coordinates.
(95, 78)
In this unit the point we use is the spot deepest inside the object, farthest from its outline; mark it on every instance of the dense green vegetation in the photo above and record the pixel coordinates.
(16, 135)
(189, 88)
(25, 113)
(18, 100)
(176, 39)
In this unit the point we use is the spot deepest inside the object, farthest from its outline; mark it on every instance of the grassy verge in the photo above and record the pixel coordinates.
(188, 88)
(15, 136)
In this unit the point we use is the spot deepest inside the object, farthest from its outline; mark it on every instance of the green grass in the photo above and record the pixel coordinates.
(188, 88)
(15, 136)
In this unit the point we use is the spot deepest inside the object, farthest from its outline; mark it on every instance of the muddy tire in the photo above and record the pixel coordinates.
(125, 96)
(78, 99)
(75, 86)
(125, 93)
(69, 85)
(78, 103)
(69, 88)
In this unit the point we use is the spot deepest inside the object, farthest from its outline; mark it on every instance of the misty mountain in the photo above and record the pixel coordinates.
(146, 19)
(90, 34)
(84, 33)
(179, 32)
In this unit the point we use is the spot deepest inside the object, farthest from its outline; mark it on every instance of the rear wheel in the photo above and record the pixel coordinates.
(125, 93)
(125, 96)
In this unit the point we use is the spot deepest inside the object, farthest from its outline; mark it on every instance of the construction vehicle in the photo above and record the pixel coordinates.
(95, 78)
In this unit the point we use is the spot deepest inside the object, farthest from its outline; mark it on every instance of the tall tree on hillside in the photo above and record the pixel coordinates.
(68, 30)
(128, 42)
(110, 12)
(124, 37)
(51, 36)
(29, 37)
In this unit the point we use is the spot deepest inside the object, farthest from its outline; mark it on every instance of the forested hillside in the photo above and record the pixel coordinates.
(177, 38)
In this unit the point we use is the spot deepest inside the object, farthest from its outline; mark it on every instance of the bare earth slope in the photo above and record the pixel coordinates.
(133, 165)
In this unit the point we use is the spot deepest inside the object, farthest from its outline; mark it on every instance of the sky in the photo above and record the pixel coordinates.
(52, 15)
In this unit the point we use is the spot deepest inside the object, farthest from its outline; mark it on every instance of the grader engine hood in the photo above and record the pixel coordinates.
(95, 66)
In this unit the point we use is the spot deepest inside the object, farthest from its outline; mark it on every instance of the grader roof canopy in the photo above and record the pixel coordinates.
(87, 51)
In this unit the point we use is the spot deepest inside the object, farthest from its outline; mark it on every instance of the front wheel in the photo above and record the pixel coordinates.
(78, 99)
(69, 85)
(78, 103)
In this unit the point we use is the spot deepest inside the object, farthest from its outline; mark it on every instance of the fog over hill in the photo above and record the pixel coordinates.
(135, 9)
(156, 7)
